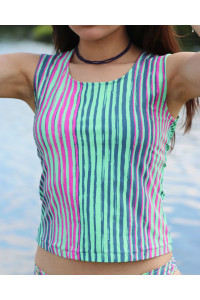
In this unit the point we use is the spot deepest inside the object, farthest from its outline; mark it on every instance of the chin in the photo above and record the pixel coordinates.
(90, 32)
(93, 32)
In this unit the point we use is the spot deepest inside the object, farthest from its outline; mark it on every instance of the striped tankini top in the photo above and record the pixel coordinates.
(102, 147)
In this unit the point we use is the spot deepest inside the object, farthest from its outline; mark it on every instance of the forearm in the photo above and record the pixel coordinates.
(196, 29)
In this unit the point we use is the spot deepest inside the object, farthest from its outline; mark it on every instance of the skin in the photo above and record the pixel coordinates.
(98, 42)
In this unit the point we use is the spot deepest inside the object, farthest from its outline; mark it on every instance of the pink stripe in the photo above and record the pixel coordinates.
(147, 237)
(161, 160)
(142, 134)
(77, 171)
(164, 117)
(163, 223)
(44, 91)
(147, 188)
(158, 198)
(130, 210)
(58, 156)
(50, 145)
(70, 160)
(70, 176)
(63, 153)
(39, 145)
(155, 182)
(158, 105)
(156, 124)
(44, 202)
(164, 127)
(165, 229)
(150, 166)
(166, 232)
(39, 119)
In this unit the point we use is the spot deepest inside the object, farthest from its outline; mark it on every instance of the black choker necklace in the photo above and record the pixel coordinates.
(101, 61)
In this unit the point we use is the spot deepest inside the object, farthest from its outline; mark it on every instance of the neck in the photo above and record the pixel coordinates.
(106, 47)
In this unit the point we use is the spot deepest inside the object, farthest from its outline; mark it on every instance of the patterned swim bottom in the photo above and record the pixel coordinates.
(38, 271)
(168, 269)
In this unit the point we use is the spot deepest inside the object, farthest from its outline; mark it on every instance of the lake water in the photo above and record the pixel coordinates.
(20, 171)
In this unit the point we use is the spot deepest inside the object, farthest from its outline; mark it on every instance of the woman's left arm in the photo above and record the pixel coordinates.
(187, 66)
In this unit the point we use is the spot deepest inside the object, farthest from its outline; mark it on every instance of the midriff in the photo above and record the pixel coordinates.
(56, 265)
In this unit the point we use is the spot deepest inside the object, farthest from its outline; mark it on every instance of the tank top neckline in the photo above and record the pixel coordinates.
(101, 82)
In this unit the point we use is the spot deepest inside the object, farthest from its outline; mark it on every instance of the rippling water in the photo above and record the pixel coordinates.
(19, 181)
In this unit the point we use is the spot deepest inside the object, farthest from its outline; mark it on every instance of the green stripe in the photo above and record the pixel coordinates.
(163, 81)
(155, 164)
(93, 158)
(105, 238)
(67, 162)
(151, 101)
(127, 160)
(112, 142)
(86, 168)
(98, 211)
(159, 123)
(148, 153)
(119, 141)
(135, 120)
(72, 142)
(154, 158)
(141, 104)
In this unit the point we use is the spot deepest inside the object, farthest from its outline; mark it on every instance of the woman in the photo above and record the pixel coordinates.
(106, 106)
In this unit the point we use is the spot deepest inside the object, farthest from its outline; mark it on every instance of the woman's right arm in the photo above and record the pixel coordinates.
(16, 76)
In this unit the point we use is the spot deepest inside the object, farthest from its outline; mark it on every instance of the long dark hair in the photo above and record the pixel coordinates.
(156, 39)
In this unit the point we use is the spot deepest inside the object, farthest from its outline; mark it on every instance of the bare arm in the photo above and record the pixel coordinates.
(187, 66)
(16, 76)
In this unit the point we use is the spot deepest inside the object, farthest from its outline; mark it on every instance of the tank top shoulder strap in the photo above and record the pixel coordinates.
(156, 65)
(40, 71)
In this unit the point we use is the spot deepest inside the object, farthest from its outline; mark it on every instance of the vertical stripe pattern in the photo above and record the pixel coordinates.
(103, 149)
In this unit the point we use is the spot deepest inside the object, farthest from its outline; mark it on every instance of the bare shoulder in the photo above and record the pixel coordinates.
(16, 76)
(23, 63)
(29, 62)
